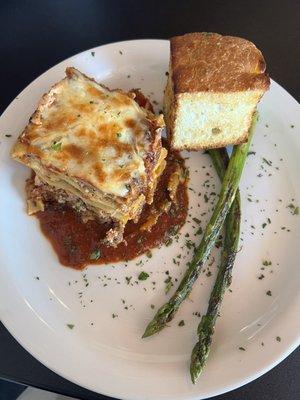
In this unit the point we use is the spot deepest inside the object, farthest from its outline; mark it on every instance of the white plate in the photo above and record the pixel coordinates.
(109, 356)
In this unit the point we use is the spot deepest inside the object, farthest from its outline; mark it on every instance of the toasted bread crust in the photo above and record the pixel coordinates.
(209, 62)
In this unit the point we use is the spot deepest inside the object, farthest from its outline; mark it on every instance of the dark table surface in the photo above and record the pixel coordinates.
(36, 35)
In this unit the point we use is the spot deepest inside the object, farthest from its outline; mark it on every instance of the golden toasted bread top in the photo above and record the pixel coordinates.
(211, 62)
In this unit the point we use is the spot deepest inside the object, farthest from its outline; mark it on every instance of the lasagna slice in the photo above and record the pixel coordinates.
(93, 148)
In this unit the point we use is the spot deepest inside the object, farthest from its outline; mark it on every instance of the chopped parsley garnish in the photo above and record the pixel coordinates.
(169, 284)
(70, 326)
(189, 244)
(294, 209)
(56, 146)
(95, 255)
(93, 53)
(152, 306)
(181, 323)
(143, 276)
(119, 134)
(114, 315)
(8, 135)
(242, 348)
(149, 254)
(168, 242)
(269, 293)
(266, 263)
(268, 162)
(278, 338)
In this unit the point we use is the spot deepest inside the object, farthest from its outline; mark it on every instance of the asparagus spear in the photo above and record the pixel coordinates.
(232, 230)
(229, 187)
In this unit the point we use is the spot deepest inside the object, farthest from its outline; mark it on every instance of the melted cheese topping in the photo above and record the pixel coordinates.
(90, 133)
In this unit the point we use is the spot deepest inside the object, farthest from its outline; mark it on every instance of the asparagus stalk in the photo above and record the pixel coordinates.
(228, 190)
(232, 230)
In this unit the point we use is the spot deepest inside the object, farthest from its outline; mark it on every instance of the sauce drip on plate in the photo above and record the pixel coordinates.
(78, 244)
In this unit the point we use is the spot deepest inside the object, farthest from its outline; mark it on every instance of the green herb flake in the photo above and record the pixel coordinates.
(149, 254)
(56, 146)
(206, 198)
(268, 162)
(152, 306)
(119, 134)
(278, 338)
(7, 135)
(168, 242)
(242, 348)
(181, 323)
(169, 284)
(294, 210)
(189, 244)
(264, 225)
(250, 153)
(70, 326)
(93, 53)
(37, 278)
(199, 231)
(143, 276)
(196, 220)
(267, 263)
(269, 293)
(95, 255)
(114, 315)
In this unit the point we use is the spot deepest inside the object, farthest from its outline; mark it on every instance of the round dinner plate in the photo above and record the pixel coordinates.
(87, 325)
